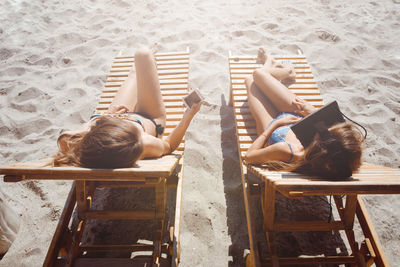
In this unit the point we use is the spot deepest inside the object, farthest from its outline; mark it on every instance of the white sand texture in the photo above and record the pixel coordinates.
(55, 55)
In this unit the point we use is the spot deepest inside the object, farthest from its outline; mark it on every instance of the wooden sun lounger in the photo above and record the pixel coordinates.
(372, 179)
(66, 248)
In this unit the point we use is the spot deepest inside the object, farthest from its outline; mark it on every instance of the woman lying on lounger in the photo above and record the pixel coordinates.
(132, 127)
(275, 109)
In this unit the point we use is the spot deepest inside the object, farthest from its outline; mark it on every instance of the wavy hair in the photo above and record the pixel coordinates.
(335, 154)
(110, 143)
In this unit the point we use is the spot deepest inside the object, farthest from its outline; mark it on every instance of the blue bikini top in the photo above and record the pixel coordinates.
(279, 134)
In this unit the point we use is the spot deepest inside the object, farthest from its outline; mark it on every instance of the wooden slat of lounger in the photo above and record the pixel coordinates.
(161, 167)
(240, 85)
(166, 98)
(299, 76)
(253, 60)
(371, 179)
(105, 101)
(172, 104)
(113, 86)
(120, 80)
(241, 101)
(249, 71)
(171, 65)
(158, 57)
(181, 75)
(314, 92)
(161, 70)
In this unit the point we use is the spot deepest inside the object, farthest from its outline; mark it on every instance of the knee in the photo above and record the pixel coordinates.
(143, 52)
(248, 82)
(257, 74)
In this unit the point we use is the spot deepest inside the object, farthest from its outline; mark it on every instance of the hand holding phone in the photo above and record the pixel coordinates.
(193, 98)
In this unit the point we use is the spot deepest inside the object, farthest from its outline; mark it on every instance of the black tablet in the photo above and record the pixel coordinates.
(306, 128)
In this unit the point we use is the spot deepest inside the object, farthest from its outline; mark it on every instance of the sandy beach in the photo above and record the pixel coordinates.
(55, 55)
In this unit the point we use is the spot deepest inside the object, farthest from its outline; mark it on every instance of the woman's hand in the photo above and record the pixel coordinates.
(117, 109)
(194, 109)
(303, 108)
(172, 141)
(290, 119)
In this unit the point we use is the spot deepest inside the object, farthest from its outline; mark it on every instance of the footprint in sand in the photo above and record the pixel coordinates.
(35, 251)
(198, 223)
(26, 107)
(327, 36)
(269, 26)
(31, 93)
(5, 53)
(17, 71)
(29, 126)
(210, 56)
(47, 61)
(192, 35)
(94, 81)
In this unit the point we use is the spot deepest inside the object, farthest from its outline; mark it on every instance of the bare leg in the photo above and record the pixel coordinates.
(261, 108)
(280, 70)
(126, 95)
(149, 99)
(273, 89)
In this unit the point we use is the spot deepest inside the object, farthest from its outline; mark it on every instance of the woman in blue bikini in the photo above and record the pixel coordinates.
(132, 127)
(275, 109)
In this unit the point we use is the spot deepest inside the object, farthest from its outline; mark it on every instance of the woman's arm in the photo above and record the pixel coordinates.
(156, 147)
(258, 153)
(279, 151)
(172, 141)
(303, 107)
(262, 138)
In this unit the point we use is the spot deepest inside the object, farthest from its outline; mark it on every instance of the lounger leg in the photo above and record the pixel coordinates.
(370, 233)
(81, 198)
(82, 206)
(176, 234)
(62, 233)
(347, 215)
(269, 206)
(161, 195)
(253, 258)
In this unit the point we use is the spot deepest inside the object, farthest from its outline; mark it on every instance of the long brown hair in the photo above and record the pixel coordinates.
(334, 155)
(110, 143)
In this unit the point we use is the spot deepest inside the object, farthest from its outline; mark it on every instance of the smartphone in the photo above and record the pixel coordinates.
(192, 98)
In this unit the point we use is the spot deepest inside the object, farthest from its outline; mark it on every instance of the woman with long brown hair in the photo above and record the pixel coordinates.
(132, 127)
(333, 154)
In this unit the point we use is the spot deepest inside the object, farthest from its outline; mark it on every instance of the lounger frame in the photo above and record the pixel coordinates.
(372, 179)
(166, 172)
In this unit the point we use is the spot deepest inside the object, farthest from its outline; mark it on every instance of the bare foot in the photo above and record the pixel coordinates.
(283, 70)
(289, 72)
(262, 55)
(280, 70)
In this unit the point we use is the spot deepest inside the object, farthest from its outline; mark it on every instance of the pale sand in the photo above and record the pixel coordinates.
(55, 56)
